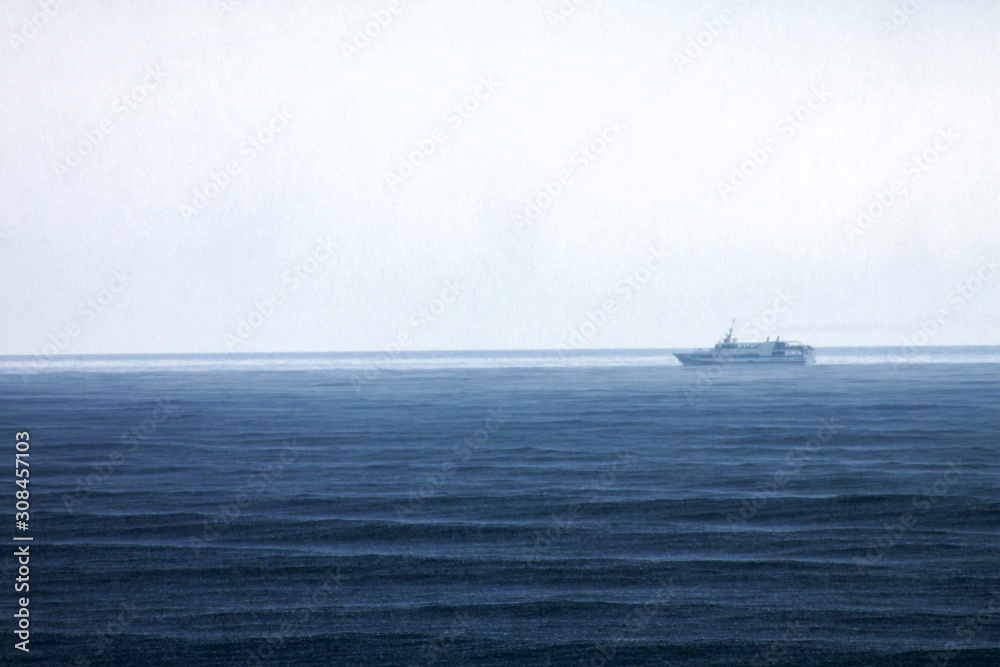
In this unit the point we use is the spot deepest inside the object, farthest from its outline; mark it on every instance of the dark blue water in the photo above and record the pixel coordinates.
(606, 513)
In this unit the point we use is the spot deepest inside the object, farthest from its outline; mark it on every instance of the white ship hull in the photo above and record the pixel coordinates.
(771, 352)
(707, 357)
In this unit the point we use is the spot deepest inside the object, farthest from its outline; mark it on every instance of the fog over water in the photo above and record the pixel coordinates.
(265, 176)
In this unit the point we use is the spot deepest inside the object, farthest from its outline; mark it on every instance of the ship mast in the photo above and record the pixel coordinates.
(729, 336)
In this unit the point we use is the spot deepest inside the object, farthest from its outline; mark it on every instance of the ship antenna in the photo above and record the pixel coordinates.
(729, 336)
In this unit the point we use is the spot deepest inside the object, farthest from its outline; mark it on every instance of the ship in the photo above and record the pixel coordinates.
(730, 351)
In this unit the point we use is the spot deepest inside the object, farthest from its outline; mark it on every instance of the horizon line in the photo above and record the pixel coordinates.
(446, 351)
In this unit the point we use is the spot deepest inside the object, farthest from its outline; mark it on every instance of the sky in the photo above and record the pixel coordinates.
(251, 176)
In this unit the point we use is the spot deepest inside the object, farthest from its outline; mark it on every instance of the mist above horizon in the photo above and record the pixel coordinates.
(264, 177)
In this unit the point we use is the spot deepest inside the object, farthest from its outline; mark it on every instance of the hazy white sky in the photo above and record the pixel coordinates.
(496, 175)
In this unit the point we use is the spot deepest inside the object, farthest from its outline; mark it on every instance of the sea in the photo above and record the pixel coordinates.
(591, 508)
